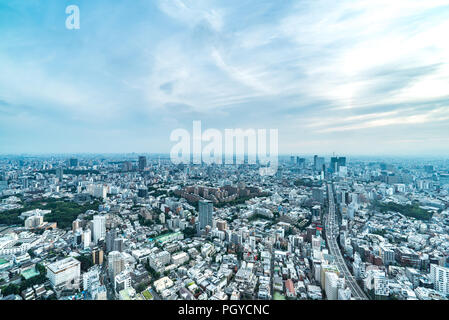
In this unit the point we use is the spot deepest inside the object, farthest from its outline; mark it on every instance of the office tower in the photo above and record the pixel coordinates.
(341, 162)
(116, 264)
(440, 278)
(63, 271)
(142, 163)
(336, 163)
(97, 256)
(110, 237)
(99, 228)
(301, 162)
(205, 214)
(73, 162)
(318, 163)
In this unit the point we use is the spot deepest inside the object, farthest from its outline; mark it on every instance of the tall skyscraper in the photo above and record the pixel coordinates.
(337, 162)
(205, 214)
(300, 162)
(318, 163)
(99, 228)
(334, 164)
(142, 163)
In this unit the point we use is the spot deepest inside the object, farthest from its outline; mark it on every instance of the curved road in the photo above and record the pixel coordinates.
(332, 230)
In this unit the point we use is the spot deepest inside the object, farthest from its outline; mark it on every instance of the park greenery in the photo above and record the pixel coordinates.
(307, 183)
(86, 262)
(62, 212)
(408, 210)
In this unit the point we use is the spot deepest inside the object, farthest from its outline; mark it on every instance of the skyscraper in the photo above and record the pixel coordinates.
(205, 214)
(99, 226)
(334, 164)
(318, 163)
(142, 163)
(337, 162)
(300, 162)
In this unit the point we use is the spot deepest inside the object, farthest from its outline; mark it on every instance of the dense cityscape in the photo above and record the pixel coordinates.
(138, 227)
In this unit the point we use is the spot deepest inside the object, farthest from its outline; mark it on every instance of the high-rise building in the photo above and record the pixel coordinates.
(318, 163)
(118, 244)
(222, 225)
(336, 163)
(75, 225)
(116, 264)
(142, 163)
(440, 278)
(97, 256)
(34, 221)
(87, 236)
(300, 162)
(99, 228)
(205, 213)
(110, 237)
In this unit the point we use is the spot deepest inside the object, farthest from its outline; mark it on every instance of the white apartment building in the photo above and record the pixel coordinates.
(440, 278)
(99, 231)
(63, 271)
(180, 258)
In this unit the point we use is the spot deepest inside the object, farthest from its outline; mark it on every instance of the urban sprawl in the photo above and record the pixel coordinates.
(130, 227)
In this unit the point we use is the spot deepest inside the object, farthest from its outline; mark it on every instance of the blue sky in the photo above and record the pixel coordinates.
(351, 77)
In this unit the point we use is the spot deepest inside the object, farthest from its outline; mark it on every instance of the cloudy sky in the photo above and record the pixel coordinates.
(350, 77)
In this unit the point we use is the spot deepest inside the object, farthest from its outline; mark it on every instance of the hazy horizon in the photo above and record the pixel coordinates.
(348, 77)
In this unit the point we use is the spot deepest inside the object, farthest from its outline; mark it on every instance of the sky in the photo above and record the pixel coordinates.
(350, 77)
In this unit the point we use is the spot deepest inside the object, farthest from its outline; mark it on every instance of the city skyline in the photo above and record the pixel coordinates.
(354, 78)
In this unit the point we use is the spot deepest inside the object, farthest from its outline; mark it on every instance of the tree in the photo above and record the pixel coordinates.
(189, 232)
(10, 289)
(86, 262)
